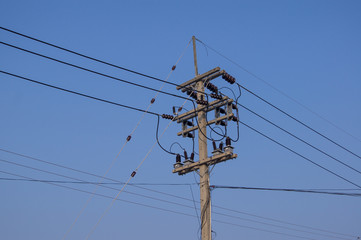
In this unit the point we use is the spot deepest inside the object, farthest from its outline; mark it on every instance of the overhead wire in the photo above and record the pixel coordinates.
(300, 122)
(150, 206)
(128, 138)
(279, 91)
(158, 115)
(92, 71)
(300, 155)
(286, 190)
(78, 93)
(300, 139)
(85, 56)
(142, 161)
(165, 194)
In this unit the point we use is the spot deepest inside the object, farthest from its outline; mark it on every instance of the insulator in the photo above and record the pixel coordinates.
(174, 112)
(234, 106)
(235, 119)
(214, 145)
(216, 96)
(152, 101)
(180, 109)
(221, 110)
(185, 154)
(173, 68)
(228, 78)
(221, 146)
(128, 138)
(167, 116)
(222, 123)
(178, 158)
(192, 94)
(202, 102)
(190, 135)
(189, 123)
(192, 156)
(228, 141)
(133, 173)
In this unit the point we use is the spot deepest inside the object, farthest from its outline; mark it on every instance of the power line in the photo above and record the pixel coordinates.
(300, 155)
(300, 122)
(92, 71)
(174, 196)
(187, 184)
(88, 57)
(153, 207)
(298, 138)
(287, 190)
(56, 183)
(78, 93)
(281, 92)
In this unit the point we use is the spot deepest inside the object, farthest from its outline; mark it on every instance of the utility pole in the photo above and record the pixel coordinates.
(196, 89)
(203, 154)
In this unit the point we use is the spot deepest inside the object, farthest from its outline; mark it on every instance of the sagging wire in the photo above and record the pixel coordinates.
(157, 141)
(236, 100)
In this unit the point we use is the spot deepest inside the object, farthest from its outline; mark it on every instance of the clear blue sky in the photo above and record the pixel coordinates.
(309, 50)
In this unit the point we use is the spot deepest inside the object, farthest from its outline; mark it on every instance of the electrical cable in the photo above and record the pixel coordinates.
(88, 57)
(167, 194)
(92, 71)
(80, 181)
(300, 122)
(144, 205)
(300, 155)
(287, 190)
(281, 92)
(300, 139)
(131, 176)
(78, 93)
(128, 138)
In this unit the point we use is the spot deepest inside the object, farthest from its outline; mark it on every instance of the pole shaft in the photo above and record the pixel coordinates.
(203, 154)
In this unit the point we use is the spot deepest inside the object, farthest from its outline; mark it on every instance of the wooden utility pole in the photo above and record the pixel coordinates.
(195, 88)
(203, 154)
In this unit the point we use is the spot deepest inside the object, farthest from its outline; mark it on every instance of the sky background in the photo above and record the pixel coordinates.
(308, 50)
